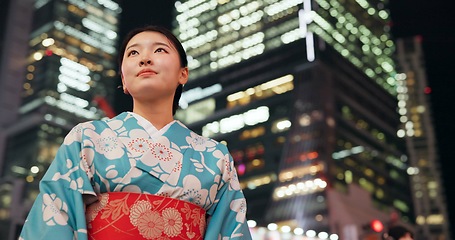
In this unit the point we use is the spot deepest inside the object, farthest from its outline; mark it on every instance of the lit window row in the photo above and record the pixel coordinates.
(299, 172)
(236, 122)
(301, 188)
(257, 181)
(273, 87)
(275, 231)
(433, 219)
(84, 37)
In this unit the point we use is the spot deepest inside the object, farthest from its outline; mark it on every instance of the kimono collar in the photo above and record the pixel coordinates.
(148, 126)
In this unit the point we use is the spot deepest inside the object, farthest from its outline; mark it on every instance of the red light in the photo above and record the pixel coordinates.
(48, 53)
(377, 225)
(241, 169)
(427, 90)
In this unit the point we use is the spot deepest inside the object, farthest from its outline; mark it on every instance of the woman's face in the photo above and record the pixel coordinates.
(151, 67)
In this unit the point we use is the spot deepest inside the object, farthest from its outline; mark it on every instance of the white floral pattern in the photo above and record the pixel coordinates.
(161, 152)
(199, 143)
(120, 155)
(54, 210)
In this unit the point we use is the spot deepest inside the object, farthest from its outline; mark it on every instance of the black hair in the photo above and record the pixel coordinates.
(396, 232)
(177, 44)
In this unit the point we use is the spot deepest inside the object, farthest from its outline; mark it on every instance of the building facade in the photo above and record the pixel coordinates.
(417, 123)
(304, 94)
(67, 75)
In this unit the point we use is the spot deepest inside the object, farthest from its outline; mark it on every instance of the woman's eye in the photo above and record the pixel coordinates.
(160, 50)
(132, 52)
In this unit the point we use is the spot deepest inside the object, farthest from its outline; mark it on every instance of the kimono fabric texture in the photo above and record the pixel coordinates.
(125, 155)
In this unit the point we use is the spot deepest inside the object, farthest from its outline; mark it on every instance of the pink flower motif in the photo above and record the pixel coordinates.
(161, 152)
(150, 225)
(172, 222)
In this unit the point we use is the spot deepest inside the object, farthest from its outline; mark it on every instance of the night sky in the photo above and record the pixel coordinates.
(433, 20)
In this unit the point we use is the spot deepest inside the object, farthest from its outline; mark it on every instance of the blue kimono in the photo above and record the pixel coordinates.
(127, 154)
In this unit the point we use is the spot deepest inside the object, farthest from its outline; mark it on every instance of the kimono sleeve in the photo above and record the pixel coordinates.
(59, 210)
(228, 215)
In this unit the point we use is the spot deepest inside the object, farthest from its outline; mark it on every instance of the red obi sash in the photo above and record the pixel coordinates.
(134, 216)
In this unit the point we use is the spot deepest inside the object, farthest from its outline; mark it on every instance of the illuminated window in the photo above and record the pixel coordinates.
(264, 90)
(252, 133)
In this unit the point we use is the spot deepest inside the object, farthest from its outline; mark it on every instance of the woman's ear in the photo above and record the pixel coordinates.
(125, 90)
(183, 75)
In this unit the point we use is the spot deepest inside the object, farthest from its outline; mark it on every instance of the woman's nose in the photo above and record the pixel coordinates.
(145, 61)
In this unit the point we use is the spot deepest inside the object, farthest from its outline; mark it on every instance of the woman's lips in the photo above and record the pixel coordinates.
(146, 72)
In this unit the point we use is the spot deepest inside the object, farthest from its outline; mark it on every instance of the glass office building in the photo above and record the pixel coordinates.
(69, 77)
(428, 192)
(304, 94)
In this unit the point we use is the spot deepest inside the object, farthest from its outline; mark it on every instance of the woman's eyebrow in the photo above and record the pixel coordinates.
(133, 45)
(154, 44)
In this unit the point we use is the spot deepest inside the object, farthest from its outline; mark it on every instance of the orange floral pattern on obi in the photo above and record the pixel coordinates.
(119, 215)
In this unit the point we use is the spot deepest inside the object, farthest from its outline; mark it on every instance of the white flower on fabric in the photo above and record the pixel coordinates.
(138, 209)
(86, 163)
(115, 124)
(54, 210)
(163, 159)
(234, 184)
(106, 143)
(199, 143)
(194, 192)
(77, 184)
(239, 206)
(161, 152)
(224, 164)
(139, 144)
(173, 223)
(74, 135)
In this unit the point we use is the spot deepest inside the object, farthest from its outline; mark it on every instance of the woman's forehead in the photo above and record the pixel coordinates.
(150, 37)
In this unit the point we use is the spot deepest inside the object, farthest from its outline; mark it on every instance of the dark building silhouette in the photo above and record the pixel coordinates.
(58, 69)
(304, 93)
(428, 191)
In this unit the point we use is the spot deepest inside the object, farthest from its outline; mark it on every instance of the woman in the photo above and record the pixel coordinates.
(141, 174)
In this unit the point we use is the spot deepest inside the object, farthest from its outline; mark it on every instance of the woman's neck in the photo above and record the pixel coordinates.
(157, 116)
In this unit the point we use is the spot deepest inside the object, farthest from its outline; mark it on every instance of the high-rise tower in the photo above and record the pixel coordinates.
(304, 93)
(426, 181)
(69, 77)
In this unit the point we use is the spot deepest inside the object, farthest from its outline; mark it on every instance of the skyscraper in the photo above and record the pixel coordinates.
(67, 76)
(304, 93)
(428, 191)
